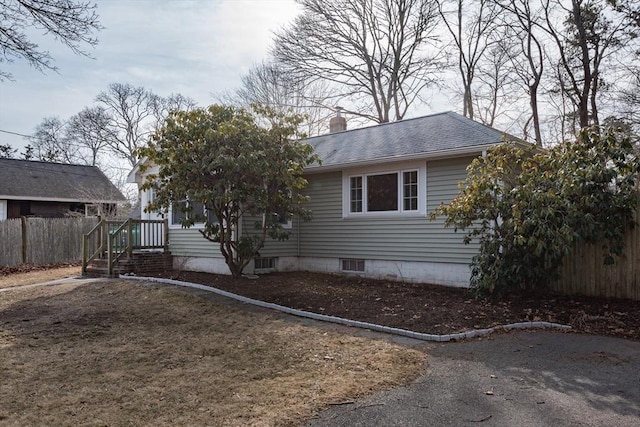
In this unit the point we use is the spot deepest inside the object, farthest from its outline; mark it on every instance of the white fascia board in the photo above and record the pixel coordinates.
(132, 178)
(443, 154)
(57, 199)
(136, 176)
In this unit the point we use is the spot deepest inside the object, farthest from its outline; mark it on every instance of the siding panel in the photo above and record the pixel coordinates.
(401, 238)
(274, 248)
(189, 242)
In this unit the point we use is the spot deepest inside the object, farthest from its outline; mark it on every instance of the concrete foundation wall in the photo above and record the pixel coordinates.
(205, 265)
(447, 274)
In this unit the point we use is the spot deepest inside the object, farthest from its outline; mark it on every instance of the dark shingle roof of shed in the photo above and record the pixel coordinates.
(43, 180)
(428, 135)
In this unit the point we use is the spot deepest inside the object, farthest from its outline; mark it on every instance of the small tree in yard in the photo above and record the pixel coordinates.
(220, 158)
(528, 209)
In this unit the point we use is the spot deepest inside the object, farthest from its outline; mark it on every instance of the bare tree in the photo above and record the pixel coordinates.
(471, 28)
(526, 49)
(70, 22)
(50, 144)
(629, 8)
(374, 51)
(132, 113)
(162, 106)
(88, 131)
(629, 99)
(270, 84)
(586, 34)
(494, 91)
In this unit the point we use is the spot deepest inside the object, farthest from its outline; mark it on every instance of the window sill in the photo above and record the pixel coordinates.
(180, 227)
(388, 215)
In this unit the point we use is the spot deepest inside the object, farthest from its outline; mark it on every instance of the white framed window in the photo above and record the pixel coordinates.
(185, 209)
(355, 190)
(3, 210)
(380, 192)
(282, 218)
(285, 220)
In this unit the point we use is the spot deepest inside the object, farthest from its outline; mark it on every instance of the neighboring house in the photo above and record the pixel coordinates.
(371, 198)
(43, 189)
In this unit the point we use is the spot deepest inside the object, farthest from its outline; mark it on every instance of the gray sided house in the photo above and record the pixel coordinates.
(371, 198)
(49, 190)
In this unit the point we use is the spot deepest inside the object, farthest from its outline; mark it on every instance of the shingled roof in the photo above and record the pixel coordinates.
(437, 135)
(30, 180)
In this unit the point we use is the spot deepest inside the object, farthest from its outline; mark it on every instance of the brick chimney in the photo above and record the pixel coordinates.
(337, 123)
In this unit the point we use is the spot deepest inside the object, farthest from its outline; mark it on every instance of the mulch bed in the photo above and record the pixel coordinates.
(425, 308)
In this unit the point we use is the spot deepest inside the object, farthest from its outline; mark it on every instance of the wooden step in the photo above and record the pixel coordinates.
(140, 263)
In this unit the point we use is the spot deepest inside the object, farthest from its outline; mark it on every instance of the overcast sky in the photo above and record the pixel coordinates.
(196, 48)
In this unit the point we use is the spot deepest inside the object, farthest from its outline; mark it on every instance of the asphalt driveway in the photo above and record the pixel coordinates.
(534, 378)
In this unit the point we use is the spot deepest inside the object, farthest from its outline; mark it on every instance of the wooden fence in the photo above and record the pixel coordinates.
(42, 240)
(584, 272)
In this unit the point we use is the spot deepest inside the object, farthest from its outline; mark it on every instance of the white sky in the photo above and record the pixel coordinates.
(194, 47)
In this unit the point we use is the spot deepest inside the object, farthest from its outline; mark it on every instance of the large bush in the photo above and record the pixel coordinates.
(221, 161)
(528, 208)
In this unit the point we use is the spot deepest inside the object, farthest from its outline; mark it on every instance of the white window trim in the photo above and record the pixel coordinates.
(197, 225)
(285, 225)
(398, 168)
(3, 210)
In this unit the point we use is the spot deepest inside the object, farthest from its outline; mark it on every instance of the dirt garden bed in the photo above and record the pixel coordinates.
(425, 308)
(418, 307)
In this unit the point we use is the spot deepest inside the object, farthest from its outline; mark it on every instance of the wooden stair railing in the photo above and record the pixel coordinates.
(111, 240)
(92, 245)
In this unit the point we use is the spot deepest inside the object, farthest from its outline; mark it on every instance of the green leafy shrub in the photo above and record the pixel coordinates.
(528, 208)
(222, 159)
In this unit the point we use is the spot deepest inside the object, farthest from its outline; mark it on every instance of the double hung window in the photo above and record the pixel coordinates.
(385, 193)
(284, 219)
(185, 209)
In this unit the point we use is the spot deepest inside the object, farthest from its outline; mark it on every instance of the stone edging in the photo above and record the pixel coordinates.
(365, 325)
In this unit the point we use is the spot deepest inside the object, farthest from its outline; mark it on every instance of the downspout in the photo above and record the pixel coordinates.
(298, 238)
(237, 231)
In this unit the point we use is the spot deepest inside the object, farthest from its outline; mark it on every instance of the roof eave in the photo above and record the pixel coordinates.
(435, 155)
(59, 199)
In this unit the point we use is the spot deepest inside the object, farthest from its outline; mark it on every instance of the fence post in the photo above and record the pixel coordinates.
(166, 234)
(104, 238)
(23, 221)
(85, 247)
(129, 239)
(109, 255)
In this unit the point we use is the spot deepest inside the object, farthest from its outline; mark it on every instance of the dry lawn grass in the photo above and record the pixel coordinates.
(118, 353)
(38, 276)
